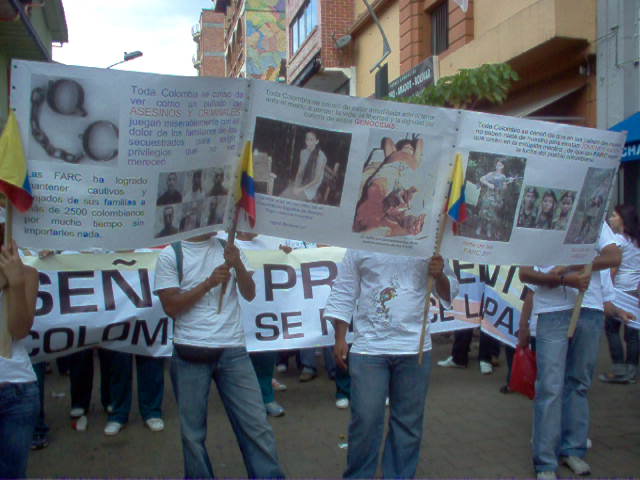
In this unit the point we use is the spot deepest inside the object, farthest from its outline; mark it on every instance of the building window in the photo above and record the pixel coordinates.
(440, 28)
(303, 24)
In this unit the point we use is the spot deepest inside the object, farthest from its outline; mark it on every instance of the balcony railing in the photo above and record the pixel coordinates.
(195, 32)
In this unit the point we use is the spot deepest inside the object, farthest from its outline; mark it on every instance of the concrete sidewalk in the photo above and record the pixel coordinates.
(471, 430)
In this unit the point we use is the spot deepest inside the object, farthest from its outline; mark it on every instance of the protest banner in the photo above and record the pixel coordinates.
(106, 300)
(123, 160)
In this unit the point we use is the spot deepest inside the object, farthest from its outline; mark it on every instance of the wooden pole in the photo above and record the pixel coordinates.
(231, 238)
(5, 335)
(575, 315)
(430, 280)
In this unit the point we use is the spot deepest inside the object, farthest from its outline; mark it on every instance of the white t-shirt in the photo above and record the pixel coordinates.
(16, 369)
(564, 298)
(202, 325)
(628, 274)
(261, 242)
(389, 291)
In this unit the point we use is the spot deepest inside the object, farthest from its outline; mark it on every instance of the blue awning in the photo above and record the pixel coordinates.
(632, 146)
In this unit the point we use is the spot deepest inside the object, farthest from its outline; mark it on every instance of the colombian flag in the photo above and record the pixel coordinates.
(245, 194)
(14, 181)
(456, 206)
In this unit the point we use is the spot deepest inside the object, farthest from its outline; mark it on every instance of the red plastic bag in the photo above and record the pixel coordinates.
(523, 372)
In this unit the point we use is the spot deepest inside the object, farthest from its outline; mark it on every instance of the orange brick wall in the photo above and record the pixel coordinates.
(212, 41)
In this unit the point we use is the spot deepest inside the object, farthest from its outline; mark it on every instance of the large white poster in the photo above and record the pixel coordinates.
(536, 191)
(122, 160)
(349, 171)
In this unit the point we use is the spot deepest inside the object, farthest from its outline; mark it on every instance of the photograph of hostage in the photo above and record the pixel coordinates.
(310, 171)
(387, 197)
(168, 228)
(172, 192)
(499, 179)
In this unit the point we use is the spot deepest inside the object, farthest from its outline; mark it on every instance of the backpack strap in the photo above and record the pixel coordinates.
(177, 249)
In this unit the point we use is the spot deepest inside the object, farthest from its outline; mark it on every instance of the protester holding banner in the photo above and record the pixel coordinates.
(625, 223)
(566, 366)
(19, 396)
(390, 294)
(150, 381)
(263, 362)
(209, 345)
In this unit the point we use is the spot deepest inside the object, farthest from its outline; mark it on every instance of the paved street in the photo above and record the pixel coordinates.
(471, 430)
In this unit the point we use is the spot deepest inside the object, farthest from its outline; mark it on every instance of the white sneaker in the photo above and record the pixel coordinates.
(277, 386)
(80, 424)
(548, 475)
(486, 368)
(281, 368)
(342, 403)
(449, 363)
(576, 465)
(155, 424)
(76, 412)
(113, 428)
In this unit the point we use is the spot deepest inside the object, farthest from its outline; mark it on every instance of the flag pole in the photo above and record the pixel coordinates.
(573, 323)
(231, 238)
(5, 335)
(430, 280)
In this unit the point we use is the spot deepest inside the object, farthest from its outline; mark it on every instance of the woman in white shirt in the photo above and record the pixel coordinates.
(625, 223)
(310, 171)
(19, 396)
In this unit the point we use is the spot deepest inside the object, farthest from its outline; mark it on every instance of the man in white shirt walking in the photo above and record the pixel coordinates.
(566, 366)
(210, 345)
(390, 294)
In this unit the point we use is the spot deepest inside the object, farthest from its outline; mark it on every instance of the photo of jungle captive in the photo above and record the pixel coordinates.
(392, 199)
(492, 188)
(587, 220)
(299, 162)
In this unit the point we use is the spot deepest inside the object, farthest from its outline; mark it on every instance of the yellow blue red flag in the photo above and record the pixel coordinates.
(245, 194)
(14, 181)
(456, 206)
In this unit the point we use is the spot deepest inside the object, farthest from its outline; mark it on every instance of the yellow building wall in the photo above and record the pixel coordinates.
(519, 26)
(368, 50)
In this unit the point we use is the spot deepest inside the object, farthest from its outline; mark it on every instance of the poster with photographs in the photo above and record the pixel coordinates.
(497, 181)
(120, 160)
(536, 191)
(348, 171)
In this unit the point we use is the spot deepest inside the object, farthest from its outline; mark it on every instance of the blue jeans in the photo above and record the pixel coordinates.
(41, 429)
(405, 382)
(150, 377)
(612, 329)
(240, 394)
(263, 364)
(81, 377)
(565, 373)
(19, 406)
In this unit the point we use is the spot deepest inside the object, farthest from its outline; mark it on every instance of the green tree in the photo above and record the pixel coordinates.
(468, 87)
